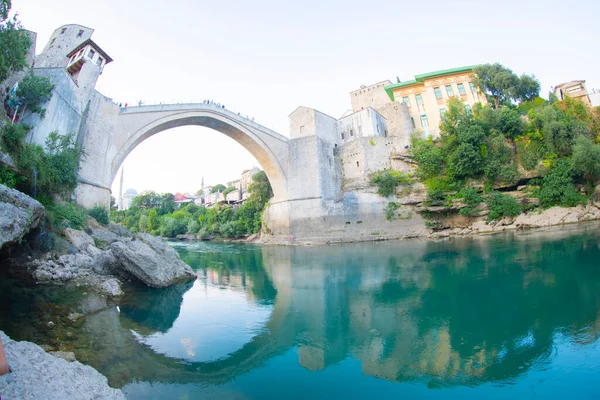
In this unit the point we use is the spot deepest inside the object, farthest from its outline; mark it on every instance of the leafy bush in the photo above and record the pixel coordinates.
(232, 229)
(193, 227)
(66, 215)
(100, 214)
(428, 156)
(586, 159)
(557, 186)
(203, 234)
(530, 153)
(13, 137)
(390, 210)
(502, 205)
(8, 177)
(471, 198)
(388, 181)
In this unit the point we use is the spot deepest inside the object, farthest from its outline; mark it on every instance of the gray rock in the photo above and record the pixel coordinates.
(65, 355)
(74, 316)
(151, 261)
(19, 214)
(119, 230)
(39, 375)
(103, 238)
(82, 241)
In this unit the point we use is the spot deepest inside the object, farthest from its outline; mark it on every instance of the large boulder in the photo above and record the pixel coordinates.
(151, 261)
(39, 375)
(19, 214)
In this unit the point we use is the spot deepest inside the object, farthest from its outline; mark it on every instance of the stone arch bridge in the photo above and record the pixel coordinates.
(305, 170)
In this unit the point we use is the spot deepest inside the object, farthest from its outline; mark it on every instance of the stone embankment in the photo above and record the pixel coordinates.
(451, 223)
(35, 374)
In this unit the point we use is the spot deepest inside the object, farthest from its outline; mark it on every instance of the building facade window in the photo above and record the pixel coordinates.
(406, 101)
(80, 33)
(351, 132)
(424, 123)
(419, 99)
(91, 54)
(461, 88)
(442, 112)
(342, 135)
(100, 61)
(474, 90)
(412, 120)
(438, 92)
(467, 107)
(63, 30)
(449, 90)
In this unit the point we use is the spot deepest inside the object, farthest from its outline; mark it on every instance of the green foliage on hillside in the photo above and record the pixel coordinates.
(158, 214)
(492, 145)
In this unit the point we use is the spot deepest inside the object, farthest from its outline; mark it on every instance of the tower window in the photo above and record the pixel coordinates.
(52, 42)
(80, 34)
(91, 54)
(101, 60)
(63, 30)
(357, 164)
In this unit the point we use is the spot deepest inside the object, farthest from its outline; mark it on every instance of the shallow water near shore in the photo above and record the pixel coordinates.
(510, 315)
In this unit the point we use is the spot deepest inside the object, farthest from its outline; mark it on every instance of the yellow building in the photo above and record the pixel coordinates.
(427, 95)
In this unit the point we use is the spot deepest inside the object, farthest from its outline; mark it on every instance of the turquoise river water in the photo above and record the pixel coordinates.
(508, 316)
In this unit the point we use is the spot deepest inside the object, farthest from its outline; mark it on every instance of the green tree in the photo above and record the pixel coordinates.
(14, 43)
(502, 85)
(147, 200)
(586, 159)
(218, 188)
(167, 204)
(228, 190)
(32, 92)
(557, 185)
(143, 223)
(152, 220)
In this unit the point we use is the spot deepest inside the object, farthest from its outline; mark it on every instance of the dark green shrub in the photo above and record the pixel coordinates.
(231, 229)
(66, 215)
(100, 214)
(557, 186)
(471, 198)
(530, 153)
(428, 156)
(502, 205)
(389, 180)
(8, 177)
(390, 210)
(13, 137)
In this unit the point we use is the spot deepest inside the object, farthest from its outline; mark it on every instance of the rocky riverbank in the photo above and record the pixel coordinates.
(35, 374)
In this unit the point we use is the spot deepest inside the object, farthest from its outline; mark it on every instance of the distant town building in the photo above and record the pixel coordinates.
(183, 199)
(246, 178)
(427, 96)
(573, 89)
(373, 96)
(128, 197)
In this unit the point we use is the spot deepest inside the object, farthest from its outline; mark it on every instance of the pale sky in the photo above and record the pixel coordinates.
(266, 58)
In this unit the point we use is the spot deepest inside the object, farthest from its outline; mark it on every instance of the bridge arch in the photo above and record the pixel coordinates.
(270, 149)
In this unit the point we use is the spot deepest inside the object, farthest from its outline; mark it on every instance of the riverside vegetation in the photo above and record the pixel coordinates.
(547, 147)
(158, 214)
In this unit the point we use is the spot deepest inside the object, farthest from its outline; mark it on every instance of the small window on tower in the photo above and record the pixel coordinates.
(63, 30)
(101, 60)
(52, 42)
(91, 54)
(80, 34)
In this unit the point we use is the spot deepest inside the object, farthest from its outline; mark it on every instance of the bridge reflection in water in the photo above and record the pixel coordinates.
(460, 313)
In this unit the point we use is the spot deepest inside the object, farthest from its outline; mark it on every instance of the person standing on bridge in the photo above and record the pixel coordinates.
(140, 103)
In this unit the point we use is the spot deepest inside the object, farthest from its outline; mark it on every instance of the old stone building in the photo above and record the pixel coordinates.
(574, 89)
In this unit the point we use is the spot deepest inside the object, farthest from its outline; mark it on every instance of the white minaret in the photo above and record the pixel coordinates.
(121, 189)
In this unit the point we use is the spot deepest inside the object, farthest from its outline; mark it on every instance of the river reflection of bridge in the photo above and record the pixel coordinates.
(451, 313)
